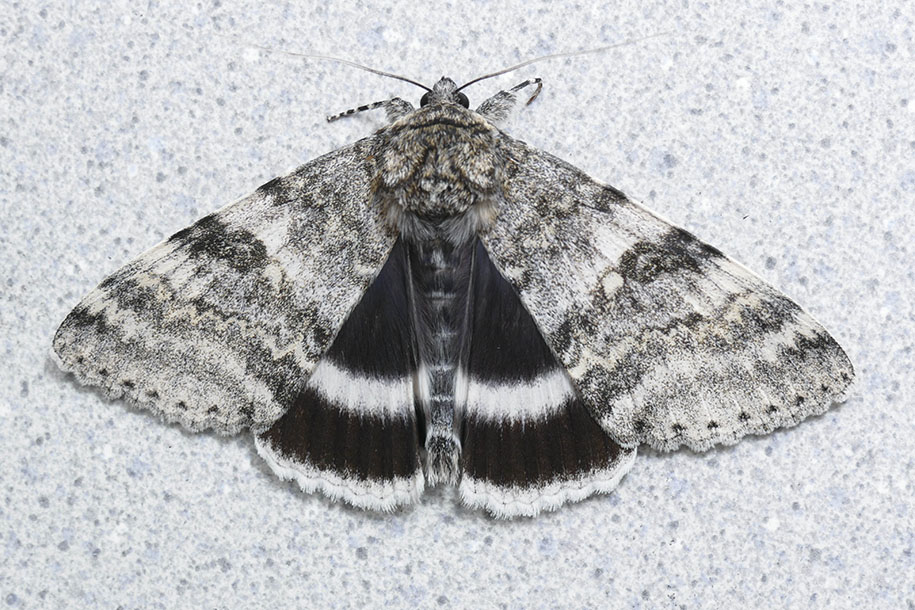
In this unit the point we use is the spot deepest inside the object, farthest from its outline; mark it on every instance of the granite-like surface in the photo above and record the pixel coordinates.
(782, 133)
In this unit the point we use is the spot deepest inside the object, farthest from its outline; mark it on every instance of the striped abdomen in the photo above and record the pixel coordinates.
(440, 278)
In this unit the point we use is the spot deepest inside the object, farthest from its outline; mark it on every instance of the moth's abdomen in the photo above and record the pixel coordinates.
(440, 277)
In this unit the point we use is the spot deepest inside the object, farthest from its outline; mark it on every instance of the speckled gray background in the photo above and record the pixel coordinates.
(780, 132)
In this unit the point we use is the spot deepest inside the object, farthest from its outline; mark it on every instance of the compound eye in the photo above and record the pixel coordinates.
(424, 101)
(462, 100)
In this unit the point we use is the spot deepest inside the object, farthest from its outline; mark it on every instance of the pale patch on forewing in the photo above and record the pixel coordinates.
(615, 233)
(509, 502)
(381, 495)
(361, 394)
(531, 400)
(612, 282)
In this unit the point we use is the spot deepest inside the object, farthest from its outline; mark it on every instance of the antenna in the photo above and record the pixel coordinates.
(342, 61)
(566, 54)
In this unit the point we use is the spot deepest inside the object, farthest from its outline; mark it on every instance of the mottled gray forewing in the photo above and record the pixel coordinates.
(220, 325)
(669, 342)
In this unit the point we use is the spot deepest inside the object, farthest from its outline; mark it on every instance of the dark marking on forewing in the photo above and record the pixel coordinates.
(271, 187)
(81, 318)
(570, 328)
(646, 260)
(131, 296)
(285, 191)
(211, 238)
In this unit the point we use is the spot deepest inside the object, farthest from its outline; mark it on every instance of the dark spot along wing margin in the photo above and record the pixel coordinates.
(219, 326)
(669, 342)
(528, 441)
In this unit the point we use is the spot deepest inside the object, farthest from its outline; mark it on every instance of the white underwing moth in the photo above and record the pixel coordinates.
(440, 303)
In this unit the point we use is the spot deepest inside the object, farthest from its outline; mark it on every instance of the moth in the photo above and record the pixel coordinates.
(440, 303)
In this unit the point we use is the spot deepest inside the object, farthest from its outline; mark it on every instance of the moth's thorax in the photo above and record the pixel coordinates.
(440, 165)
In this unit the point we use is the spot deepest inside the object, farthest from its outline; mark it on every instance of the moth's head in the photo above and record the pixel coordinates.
(445, 91)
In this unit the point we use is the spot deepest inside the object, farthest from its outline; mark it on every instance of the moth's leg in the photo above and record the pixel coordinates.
(394, 108)
(497, 108)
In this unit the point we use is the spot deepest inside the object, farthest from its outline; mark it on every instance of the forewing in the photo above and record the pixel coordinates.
(220, 325)
(669, 342)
